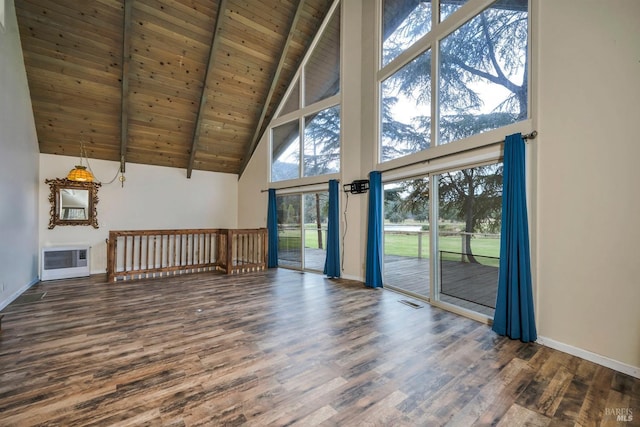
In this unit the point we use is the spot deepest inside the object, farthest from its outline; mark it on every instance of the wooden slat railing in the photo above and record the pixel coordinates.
(155, 253)
(247, 250)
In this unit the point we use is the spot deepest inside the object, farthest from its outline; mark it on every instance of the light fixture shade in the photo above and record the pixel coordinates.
(80, 174)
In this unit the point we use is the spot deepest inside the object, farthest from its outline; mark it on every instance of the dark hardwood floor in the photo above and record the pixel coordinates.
(280, 348)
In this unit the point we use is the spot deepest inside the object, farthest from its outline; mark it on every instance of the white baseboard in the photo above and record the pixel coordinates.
(17, 293)
(633, 371)
(607, 362)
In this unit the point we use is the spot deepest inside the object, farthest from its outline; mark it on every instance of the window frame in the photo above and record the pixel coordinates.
(431, 41)
(491, 155)
(301, 193)
(304, 111)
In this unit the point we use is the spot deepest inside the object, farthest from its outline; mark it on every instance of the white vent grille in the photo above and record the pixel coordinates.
(65, 262)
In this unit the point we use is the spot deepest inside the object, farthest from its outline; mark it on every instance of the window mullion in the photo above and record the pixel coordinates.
(435, 95)
(302, 232)
(434, 261)
(303, 79)
(301, 142)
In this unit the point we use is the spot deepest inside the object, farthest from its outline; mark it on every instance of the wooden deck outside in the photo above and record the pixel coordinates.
(279, 348)
(470, 286)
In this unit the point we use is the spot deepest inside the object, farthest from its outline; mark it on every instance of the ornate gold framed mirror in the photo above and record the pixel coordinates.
(73, 203)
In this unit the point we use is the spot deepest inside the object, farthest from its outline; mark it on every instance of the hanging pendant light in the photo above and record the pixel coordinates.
(80, 172)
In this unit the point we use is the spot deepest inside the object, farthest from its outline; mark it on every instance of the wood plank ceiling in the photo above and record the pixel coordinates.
(189, 84)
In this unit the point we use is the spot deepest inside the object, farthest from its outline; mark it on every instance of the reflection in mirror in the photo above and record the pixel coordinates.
(73, 203)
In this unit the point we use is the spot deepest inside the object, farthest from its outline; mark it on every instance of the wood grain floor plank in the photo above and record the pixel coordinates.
(495, 397)
(278, 348)
(595, 399)
(517, 416)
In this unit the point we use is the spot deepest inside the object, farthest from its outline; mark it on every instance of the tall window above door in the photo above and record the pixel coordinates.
(449, 70)
(403, 23)
(305, 136)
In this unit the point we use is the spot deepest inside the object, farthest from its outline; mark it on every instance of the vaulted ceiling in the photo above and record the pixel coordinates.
(189, 84)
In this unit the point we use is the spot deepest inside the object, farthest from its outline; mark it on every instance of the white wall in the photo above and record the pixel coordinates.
(589, 196)
(252, 202)
(18, 169)
(152, 197)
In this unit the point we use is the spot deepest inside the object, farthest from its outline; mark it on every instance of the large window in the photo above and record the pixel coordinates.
(285, 151)
(293, 100)
(322, 142)
(481, 68)
(406, 116)
(305, 137)
(322, 69)
(403, 23)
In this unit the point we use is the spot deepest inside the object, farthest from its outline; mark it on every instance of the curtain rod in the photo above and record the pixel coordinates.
(298, 186)
(526, 136)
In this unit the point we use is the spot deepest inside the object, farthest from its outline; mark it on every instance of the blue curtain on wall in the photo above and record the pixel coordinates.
(514, 315)
(374, 232)
(332, 262)
(272, 229)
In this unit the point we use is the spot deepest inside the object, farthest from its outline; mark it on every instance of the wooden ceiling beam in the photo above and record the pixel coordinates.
(126, 59)
(215, 41)
(130, 75)
(274, 82)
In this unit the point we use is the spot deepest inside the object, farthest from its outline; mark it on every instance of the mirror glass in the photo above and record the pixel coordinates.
(73, 203)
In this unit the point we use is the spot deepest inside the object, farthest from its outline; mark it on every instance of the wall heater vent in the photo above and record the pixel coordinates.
(64, 262)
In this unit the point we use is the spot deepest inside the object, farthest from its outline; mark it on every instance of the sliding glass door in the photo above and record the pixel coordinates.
(458, 264)
(302, 230)
(316, 210)
(469, 220)
(406, 236)
(289, 230)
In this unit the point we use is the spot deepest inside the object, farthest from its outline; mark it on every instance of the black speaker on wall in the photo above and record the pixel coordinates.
(357, 187)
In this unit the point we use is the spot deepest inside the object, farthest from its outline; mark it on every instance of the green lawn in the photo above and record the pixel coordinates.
(404, 244)
(407, 245)
(290, 239)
